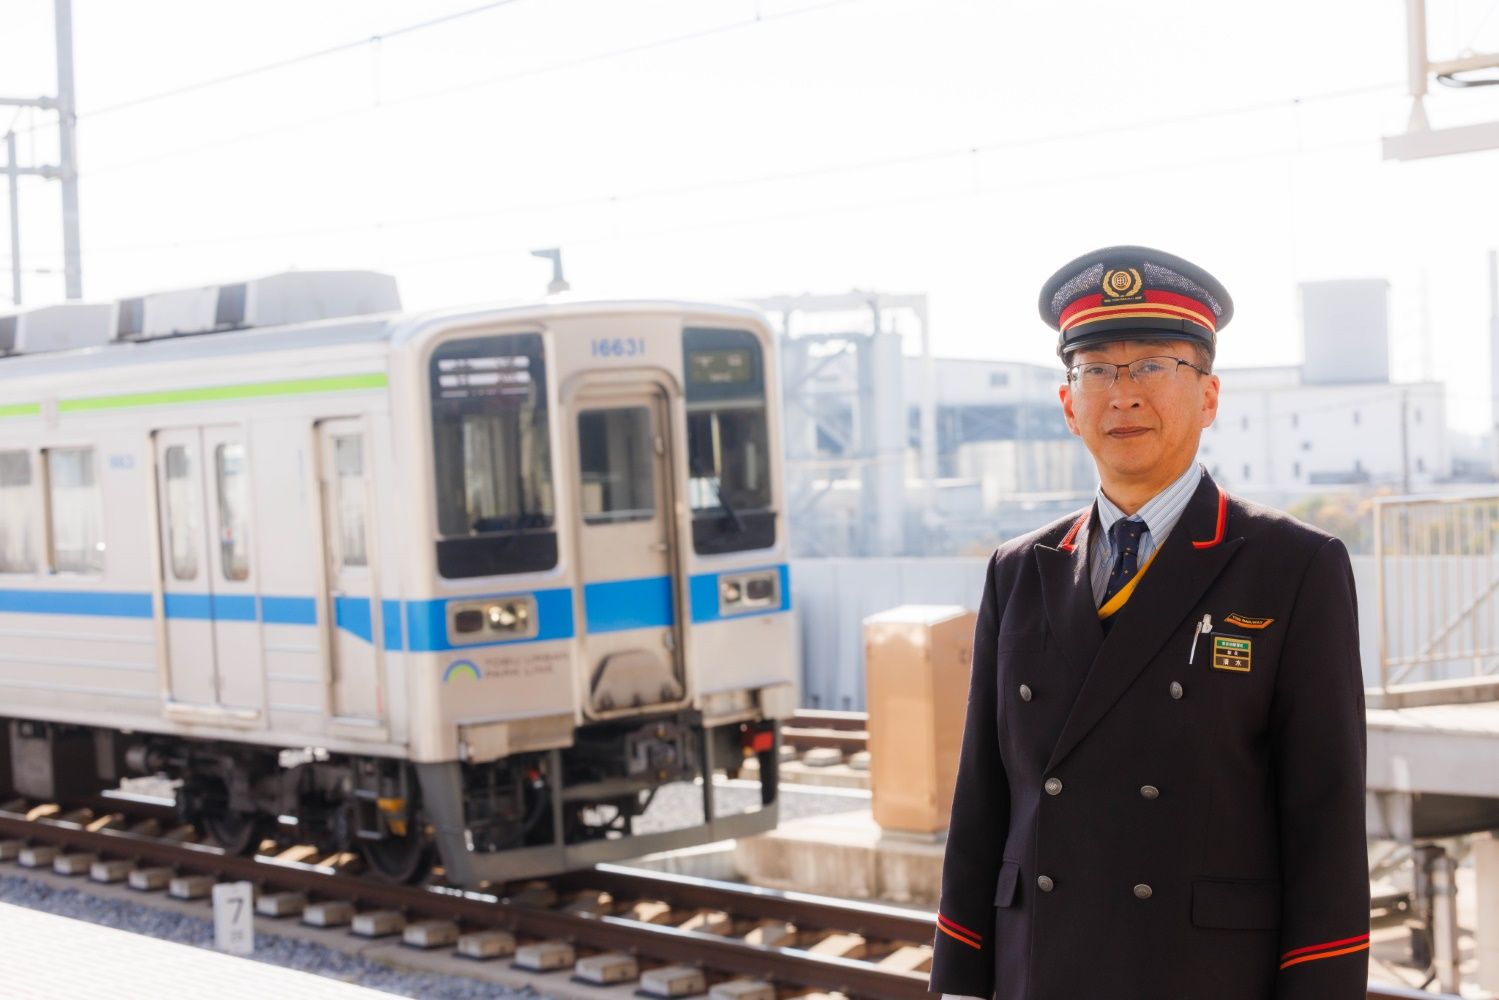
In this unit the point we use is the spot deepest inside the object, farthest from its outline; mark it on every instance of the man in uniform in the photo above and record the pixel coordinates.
(1161, 788)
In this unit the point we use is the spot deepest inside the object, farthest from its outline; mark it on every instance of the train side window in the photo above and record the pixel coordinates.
(614, 449)
(234, 511)
(74, 511)
(728, 449)
(183, 530)
(17, 514)
(348, 460)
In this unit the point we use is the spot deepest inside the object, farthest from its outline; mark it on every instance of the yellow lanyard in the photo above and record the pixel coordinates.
(1120, 599)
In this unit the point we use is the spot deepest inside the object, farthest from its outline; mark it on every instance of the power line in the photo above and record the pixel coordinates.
(1044, 139)
(289, 61)
(829, 170)
(497, 80)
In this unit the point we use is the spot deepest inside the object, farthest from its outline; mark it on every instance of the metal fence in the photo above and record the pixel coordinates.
(1437, 579)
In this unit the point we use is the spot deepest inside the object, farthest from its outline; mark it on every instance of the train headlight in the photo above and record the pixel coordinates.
(486, 620)
(743, 592)
(512, 616)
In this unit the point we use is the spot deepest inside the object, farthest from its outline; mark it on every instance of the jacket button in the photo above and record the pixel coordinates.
(1150, 791)
(1053, 786)
(1025, 692)
(1176, 690)
(1044, 883)
(1142, 891)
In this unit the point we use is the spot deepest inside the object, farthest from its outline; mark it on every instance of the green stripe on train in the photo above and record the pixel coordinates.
(249, 390)
(20, 409)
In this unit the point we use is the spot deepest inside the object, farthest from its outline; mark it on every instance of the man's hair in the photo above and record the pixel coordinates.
(1202, 353)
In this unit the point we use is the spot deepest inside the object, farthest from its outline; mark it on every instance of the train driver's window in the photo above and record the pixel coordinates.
(234, 510)
(17, 514)
(728, 453)
(618, 469)
(74, 511)
(183, 529)
(491, 455)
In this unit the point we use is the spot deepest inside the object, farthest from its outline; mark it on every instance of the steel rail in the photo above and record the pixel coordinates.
(791, 966)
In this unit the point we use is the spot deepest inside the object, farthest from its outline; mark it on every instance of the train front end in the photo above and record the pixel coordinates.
(593, 494)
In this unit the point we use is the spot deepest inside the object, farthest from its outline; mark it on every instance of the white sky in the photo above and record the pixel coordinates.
(733, 148)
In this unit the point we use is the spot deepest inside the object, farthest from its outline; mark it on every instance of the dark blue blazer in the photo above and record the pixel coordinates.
(1130, 824)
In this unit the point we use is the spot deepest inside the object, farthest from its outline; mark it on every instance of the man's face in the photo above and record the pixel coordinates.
(1138, 432)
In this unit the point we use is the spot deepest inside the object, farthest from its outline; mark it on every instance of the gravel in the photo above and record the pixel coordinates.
(674, 807)
(287, 952)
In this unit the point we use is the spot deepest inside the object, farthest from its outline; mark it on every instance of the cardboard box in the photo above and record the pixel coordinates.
(917, 659)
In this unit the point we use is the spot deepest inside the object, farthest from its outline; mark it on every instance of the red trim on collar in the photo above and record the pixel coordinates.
(1222, 522)
(1067, 545)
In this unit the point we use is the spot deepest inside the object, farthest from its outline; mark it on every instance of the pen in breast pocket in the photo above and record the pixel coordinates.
(1203, 628)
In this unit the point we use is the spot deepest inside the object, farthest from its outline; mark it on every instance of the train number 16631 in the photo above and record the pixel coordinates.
(618, 347)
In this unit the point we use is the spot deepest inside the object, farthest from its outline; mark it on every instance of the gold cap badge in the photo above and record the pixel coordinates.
(1122, 285)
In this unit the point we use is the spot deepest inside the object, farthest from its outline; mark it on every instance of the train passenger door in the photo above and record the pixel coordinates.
(630, 634)
(355, 631)
(186, 581)
(213, 641)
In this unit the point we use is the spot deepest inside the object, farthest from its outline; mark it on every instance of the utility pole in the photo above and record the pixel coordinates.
(67, 146)
(66, 170)
(1494, 350)
(15, 218)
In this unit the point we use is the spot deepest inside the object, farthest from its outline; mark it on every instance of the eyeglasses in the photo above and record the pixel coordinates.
(1100, 376)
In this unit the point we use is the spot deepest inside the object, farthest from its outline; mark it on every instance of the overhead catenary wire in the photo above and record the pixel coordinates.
(829, 170)
(500, 79)
(289, 61)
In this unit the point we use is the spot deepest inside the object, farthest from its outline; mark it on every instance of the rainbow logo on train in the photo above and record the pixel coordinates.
(460, 667)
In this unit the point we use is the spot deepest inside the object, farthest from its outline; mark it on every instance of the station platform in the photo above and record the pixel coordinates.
(844, 854)
(47, 957)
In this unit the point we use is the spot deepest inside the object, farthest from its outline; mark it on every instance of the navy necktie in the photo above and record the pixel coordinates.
(1126, 534)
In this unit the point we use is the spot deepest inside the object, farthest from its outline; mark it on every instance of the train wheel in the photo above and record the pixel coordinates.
(236, 832)
(398, 859)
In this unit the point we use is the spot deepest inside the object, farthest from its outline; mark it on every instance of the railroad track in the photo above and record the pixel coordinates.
(810, 729)
(678, 936)
(672, 935)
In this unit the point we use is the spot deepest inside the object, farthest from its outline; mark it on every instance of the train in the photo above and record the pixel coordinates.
(463, 588)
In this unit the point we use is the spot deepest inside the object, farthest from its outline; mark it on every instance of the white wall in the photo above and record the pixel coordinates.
(832, 597)
(1280, 438)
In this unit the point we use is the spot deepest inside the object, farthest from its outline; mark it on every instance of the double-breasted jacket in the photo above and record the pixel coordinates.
(1174, 809)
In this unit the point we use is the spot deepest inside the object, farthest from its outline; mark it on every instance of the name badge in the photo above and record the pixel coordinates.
(1231, 653)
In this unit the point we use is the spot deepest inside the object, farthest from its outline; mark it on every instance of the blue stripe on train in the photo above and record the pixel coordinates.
(625, 604)
(76, 602)
(419, 626)
(211, 607)
(288, 610)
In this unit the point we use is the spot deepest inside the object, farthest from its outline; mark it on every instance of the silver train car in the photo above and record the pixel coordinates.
(465, 588)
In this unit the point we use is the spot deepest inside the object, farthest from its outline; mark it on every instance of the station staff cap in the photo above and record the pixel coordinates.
(1120, 293)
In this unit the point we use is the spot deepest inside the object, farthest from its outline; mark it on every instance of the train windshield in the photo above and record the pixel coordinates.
(495, 509)
(727, 442)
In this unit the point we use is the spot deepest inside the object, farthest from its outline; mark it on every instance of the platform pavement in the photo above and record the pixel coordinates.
(47, 957)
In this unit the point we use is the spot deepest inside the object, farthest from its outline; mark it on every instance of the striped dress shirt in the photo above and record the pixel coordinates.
(1160, 514)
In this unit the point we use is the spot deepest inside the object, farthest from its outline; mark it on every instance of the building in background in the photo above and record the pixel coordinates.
(892, 452)
(1336, 422)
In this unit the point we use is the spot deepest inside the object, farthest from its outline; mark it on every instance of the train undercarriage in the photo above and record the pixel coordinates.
(525, 815)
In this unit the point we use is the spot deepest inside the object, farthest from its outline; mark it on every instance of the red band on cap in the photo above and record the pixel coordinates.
(1158, 304)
